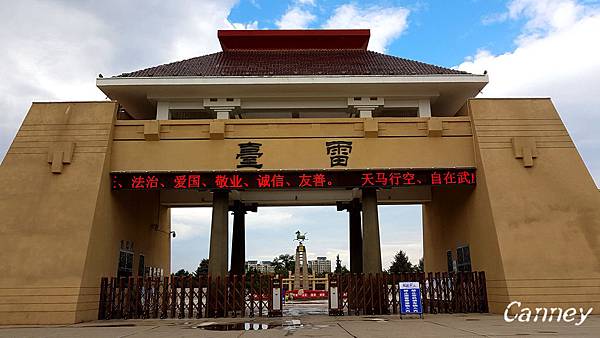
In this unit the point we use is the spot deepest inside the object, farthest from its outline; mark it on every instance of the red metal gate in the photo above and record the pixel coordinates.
(189, 297)
(376, 294)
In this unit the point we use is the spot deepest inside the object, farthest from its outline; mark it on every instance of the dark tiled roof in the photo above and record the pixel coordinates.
(293, 62)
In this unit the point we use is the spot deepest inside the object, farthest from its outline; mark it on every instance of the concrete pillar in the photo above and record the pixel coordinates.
(162, 110)
(217, 257)
(238, 242)
(356, 238)
(365, 113)
(371, 242)
(223, 114)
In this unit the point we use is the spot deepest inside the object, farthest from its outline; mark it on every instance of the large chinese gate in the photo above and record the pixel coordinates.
(292, 118)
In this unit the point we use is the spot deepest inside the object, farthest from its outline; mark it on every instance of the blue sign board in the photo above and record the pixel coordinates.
(410, 298)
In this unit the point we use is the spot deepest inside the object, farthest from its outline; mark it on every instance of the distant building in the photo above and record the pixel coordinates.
(320, 265)
(250, 265)
(262, 266)
(266, 267)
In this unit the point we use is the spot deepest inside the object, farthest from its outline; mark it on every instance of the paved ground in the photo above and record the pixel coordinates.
(317, 326)
(305, 307)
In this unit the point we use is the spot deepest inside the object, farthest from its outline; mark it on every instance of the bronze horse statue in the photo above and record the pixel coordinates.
(300, 237)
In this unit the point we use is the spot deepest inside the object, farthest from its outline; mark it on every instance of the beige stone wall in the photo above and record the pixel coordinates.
(533, 224)
(126, 216)
(547, 216)
(456, 218)
(61, 231)
(293, 144)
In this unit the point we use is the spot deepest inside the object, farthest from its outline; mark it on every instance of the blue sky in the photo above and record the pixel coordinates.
(439, 32)
(53, 50)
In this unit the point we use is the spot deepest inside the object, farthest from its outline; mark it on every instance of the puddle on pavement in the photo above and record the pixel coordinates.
(112, 325)
(374, 319)
(234, 326)
(286, 325)
(292, 324)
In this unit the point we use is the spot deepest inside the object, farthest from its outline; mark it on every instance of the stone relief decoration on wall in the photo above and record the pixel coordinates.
(525, 148)
(60, 153)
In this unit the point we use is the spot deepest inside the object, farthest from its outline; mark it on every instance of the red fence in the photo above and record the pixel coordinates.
(369, 294)
(188, 297)
(307, 294)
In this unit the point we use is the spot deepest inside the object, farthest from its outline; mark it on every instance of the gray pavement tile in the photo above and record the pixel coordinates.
(444, 325)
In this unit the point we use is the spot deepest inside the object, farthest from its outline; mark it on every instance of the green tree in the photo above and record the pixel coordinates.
(202, 268)
(401, 263)
(339, 268)
(182, 273)
(278, 266)
(338, 264)
(421, 266)
(283, 263)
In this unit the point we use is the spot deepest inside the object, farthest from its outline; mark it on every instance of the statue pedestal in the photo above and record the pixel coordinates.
(301, 270)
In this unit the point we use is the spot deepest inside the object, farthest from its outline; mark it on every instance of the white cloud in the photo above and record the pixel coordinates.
(295, 18)
(541, 16)
(272, 217)
(546, 15)
(306, 2)
(53, 51)
(190, 223)
(386, 23)
(556, 56)
(44, 58)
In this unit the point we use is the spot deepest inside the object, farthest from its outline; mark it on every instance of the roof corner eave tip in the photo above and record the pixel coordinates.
(100, 81)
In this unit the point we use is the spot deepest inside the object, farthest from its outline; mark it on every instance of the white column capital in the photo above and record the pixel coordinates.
(365, 106)
(222, 106)
(222, 102)
(366, 101)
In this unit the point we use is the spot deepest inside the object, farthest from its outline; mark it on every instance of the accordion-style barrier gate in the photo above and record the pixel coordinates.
(190, 297)
(378, 294)
(261, 295)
